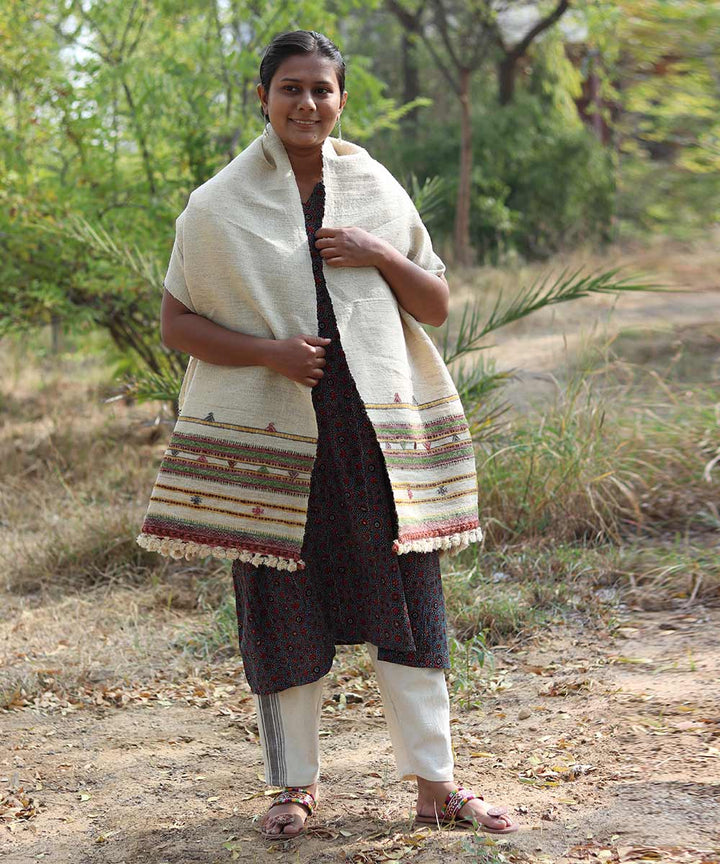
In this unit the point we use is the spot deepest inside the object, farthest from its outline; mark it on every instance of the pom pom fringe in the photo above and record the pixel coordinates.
(448, 545)
(174, 548)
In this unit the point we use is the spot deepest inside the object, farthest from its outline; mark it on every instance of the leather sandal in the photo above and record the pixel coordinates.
(455, 801)
(289, 795)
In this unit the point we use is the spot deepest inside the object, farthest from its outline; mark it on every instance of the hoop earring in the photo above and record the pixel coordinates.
(266, 131)
(339, 125)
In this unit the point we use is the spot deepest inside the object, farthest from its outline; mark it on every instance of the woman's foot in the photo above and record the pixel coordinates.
(432, 796)
(287, 820)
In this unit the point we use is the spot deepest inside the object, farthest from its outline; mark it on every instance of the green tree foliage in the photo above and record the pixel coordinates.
(112, 112)
(660, 71)
(541, 180)
(462, 38)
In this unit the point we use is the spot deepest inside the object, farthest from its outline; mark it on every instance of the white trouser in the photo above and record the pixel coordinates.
(417, 709)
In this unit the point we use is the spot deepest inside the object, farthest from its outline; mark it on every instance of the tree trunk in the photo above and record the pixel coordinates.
(595, 108)
(507, 67)
(462, 212)
(411, 79)
(140, 137)
(506, 79)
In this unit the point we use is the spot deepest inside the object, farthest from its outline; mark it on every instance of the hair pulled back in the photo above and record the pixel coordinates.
(300, 42)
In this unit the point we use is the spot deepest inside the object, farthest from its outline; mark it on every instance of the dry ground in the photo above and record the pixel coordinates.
(604, 739)
(118, 745)
(537, 346)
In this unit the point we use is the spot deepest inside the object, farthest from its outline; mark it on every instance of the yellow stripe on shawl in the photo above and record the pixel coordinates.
(204, 494)
(438, 498)
(428, 484)
(254, 430)
(225, 512)
(385, 405)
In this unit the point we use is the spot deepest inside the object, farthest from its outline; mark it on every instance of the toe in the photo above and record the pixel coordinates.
(279, 825)
(493, 817)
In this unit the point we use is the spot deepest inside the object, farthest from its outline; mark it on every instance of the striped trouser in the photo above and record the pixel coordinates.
(416, 706)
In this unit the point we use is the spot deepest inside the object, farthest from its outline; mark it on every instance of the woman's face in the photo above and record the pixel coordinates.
(304, 100)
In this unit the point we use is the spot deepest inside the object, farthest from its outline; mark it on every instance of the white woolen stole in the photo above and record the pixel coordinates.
(235, 479)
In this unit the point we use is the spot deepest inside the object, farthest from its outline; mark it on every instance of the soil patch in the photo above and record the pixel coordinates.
(604, 742)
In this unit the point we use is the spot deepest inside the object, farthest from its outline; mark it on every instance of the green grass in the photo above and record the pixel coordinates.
(609, 492)
(604, 465)
(217, 636)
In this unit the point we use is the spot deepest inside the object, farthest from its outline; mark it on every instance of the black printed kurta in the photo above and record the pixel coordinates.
(354, 589)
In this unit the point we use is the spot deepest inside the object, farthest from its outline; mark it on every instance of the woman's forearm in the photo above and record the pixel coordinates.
(425, 296)
(213, 343)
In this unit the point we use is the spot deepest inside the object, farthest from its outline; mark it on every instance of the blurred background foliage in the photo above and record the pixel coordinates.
(520, 128)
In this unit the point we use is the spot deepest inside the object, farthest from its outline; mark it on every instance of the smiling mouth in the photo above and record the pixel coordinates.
(304, 122)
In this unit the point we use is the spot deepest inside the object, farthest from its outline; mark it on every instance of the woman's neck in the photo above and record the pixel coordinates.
(306, 165)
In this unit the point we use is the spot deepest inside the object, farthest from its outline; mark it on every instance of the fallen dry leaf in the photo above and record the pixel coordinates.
(566, 688)
(17, 805)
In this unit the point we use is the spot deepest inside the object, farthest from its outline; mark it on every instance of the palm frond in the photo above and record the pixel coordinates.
(478, 387)
(547, 290)
(100, 241)
(476, 382)
(426, 197)
(151, 386)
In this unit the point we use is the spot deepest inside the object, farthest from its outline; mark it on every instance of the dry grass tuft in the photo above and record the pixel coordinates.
(604, 465)
(580, 497)
(75, 474)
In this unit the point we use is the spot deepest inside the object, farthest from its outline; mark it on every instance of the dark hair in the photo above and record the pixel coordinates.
(300, 42)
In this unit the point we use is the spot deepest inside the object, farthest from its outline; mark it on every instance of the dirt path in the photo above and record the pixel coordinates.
(606, 744)
(546, 340)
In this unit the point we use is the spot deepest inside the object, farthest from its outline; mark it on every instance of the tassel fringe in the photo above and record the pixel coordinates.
(448, 545)
(175, 548)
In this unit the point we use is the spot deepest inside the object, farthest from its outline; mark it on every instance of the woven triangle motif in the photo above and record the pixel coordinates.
(210, 418)
(397, 398)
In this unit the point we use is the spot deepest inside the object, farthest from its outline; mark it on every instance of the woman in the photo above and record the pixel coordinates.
(307, 356)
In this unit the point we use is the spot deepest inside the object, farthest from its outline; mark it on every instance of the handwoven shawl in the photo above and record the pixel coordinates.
(235, 479)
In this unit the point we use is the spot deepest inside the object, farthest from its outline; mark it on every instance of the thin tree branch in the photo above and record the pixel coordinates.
(140, 137)
(409, 20)
(518, 50)
(143, 21)
(413, 24)
(223, 63)
(128, 25)
(442, 25)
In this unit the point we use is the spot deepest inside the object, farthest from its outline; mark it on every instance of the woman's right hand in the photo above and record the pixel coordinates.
(300, 358)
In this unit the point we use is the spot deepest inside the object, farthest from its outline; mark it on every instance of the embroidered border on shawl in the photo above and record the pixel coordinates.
(227, 494)
(432, 515)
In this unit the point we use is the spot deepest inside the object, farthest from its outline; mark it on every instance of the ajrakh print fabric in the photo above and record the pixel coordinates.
(235, 479)
(353, 588)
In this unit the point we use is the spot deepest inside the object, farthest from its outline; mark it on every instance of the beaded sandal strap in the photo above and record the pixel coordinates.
(295, 795)
(454, 803)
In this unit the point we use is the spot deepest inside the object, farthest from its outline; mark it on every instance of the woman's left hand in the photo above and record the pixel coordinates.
(350, 247)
